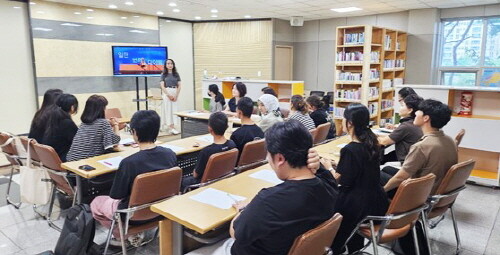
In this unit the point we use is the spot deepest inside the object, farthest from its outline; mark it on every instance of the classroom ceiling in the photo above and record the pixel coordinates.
(282, 9)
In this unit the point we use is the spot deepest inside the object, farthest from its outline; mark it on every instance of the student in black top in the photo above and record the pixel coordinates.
(217, 125)
(239, 90)
(145, 126)
(39, 122)
(406, 134)
(402, 94)
(319, 115)
(358, 174)
(60, 127)
(270, 223)
(248, 130)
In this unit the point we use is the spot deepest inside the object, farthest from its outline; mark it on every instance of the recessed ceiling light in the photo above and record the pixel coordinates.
(90, 10)
(77, 13)
(159, 13)
(247, 16)
(172, 4)
(17, 7)
(105, 34)
(214, 11)
(32, 3)
(112, 6)
(168, 21)
(137, 31)
(136, 16)
(42, 29)
(214, 16)
(176, 10)
(131, 22)
(90, 17)
(71, 25)
(129, 3)
(123, 17)
(39, 12)
(197, 17)
(347, 9)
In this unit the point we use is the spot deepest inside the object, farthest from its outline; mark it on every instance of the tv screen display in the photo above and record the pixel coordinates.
(138, 60)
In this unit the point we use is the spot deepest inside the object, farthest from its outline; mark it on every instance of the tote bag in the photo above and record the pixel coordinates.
(35, 182)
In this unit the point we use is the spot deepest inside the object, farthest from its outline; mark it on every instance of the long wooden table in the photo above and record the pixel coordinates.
(182, 211)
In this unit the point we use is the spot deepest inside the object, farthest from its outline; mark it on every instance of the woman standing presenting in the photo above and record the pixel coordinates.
(170, 83)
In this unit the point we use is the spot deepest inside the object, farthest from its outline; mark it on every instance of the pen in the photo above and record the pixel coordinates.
(107, 163)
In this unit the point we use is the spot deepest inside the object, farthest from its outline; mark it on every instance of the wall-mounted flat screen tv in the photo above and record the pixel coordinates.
(138, 60)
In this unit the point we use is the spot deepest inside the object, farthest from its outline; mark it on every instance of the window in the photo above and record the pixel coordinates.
(470, 52)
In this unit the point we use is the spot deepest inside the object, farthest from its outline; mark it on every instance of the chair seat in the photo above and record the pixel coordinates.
(136, 229)
(437, 211)
(388, 235)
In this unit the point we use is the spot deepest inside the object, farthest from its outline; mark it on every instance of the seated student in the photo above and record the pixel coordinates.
(357, 173)
(145, 126)
(269, 108)
(217, 125)
(269, 90)
(96, 135)
(277, 215)
(248, 130)
(319, 115)
(60, 127)
(217, 100)
(39, 122)
(406, 134)
(239, 90)
(299, 111)
(434, 153)
(402, 94)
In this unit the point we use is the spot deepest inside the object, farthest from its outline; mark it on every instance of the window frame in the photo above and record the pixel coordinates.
(479, 69)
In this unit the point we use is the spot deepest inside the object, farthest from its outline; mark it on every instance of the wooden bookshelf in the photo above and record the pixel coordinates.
(349, 50)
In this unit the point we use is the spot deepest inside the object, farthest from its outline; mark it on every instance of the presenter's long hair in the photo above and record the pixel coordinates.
(174, 70)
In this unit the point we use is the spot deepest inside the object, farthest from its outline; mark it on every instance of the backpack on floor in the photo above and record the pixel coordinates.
(77, 235)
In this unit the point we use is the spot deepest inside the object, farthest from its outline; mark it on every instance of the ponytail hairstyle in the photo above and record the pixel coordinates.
(299, 104)
(219, 98)
(316, 102)
(60, 112)
(359, 117)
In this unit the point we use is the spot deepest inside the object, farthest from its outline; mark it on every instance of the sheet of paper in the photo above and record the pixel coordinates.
(196, 113)
(206, 138)
(172, 147)
(385, 130)
(217, 198)
(112, 162)
(127, 141)
(342, 145)
(267, 175)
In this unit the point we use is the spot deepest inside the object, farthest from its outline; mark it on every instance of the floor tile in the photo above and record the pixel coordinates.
(9, 215)
(493, 247)
(7, 246)
(31, 233)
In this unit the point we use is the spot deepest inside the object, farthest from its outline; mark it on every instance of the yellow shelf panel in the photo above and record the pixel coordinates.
(484, 174)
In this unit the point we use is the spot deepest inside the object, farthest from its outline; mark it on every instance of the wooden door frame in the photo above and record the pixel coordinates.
(291, 66)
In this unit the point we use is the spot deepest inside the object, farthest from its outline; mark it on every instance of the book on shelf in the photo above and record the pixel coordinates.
(399, 63)
(387, 103)
(350, 56)
(354, 38)
(398, 46)
(373, 92)
(373, 108)
(351, 94)
(397, 81)
(387, 42)
(338, 112)
(386, 83)
(348, 76)
(374, 57)
(374, 73)
(389, 63)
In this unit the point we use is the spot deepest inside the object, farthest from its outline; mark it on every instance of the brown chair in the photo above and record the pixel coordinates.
(219, 166)
(115, 113)
(321, 133)
(253, 155)
(28, 146)
(148, 189)
(446, 194)
(285, 112)
(58, 175)
(313, 132)
(10, 151)
(318, 240)
(408, 203)
(459, 137)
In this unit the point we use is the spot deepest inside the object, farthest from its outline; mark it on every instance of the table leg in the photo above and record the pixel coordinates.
(183, 135)
(170, 237)
(79, 190)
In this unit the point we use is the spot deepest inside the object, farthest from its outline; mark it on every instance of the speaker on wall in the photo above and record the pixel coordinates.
(296, 21)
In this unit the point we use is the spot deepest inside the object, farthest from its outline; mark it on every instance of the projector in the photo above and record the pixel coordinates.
(296, 21)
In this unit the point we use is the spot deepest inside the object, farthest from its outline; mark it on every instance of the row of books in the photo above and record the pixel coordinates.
(357, 56)
(354, 94)
(387, 103)
(390, 83)
(373, 92)
(391, 63)
(374, 73)
(373, 108)
(348, 76)
(354, 38)
(338, 112)
(387, 42)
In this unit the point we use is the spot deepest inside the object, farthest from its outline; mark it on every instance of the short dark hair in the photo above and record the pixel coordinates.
(242, 88)
(218, 122)
(406, 91)
(412, 101)
(291, 139)
(66, 101)
(269, 90)
(439, 113)
(245, 105)
(146, 124)
(94, 109)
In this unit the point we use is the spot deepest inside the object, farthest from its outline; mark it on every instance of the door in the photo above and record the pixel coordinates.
(283, 63)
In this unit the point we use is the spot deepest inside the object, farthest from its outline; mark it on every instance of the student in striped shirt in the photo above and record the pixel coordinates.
(299, 111)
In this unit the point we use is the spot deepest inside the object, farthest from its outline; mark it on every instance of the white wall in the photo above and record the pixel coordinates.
(178, 37)
(18, 102)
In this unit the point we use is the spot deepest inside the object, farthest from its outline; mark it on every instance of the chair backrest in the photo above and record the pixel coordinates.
(253, 152)
(460, 135)
(219, 165)
(9, 149)
(50, 159)
(330, 94)
(454, 179)
(113, 113)
(317, 93)
(411, 194)
(25, 140)
(313, 132)
(321, 133)
(154, 186)
(284, 112)
(317, 240)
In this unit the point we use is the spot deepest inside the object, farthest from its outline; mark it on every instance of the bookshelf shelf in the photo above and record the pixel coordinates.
(349, 82)
(343, 100)
(387, 109)
(350, 45)
(388, 90)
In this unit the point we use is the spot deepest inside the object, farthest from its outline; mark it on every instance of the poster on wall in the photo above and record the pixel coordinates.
(491, 77)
